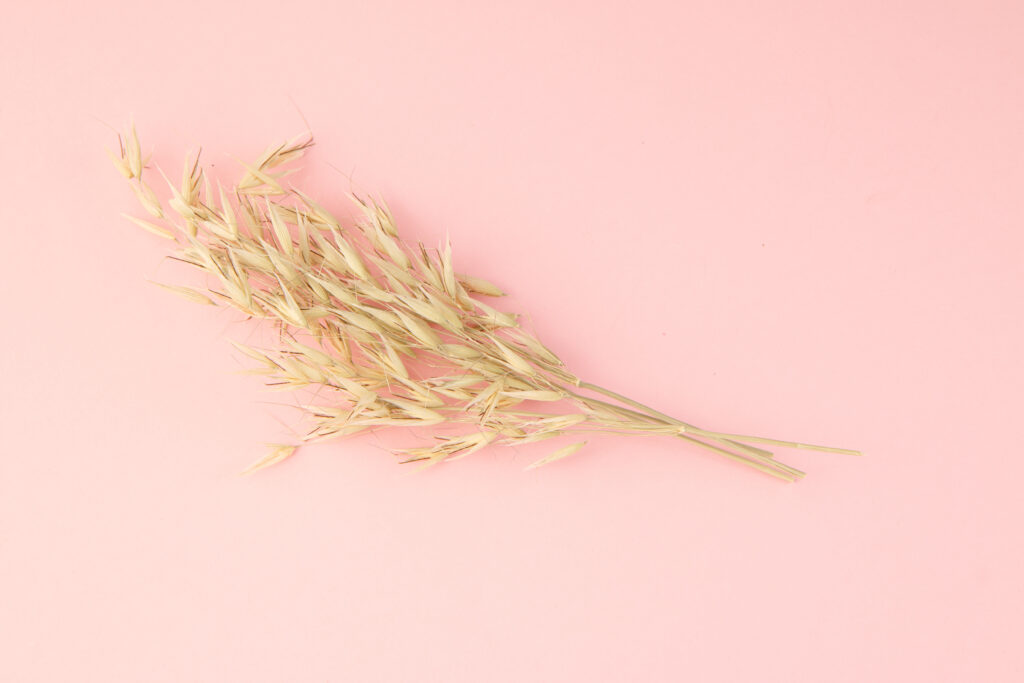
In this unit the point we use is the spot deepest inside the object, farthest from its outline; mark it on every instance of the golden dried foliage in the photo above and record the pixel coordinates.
(390, 333)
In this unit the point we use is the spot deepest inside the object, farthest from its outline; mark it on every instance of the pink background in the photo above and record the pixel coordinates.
(792, 219)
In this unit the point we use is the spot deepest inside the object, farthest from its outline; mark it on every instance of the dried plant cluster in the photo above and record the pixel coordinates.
(391, 334)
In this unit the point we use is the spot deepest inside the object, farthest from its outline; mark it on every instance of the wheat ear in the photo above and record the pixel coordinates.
(389, 333)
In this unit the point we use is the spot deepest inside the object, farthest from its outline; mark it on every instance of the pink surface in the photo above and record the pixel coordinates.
(794, 219)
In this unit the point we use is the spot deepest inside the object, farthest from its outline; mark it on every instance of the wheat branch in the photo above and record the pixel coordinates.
(390, 334)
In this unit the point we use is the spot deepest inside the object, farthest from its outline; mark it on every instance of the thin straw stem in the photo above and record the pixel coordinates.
(717, 435)
(755, 457)
(669, 420)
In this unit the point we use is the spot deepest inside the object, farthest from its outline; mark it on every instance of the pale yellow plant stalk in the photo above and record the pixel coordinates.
(391, 334)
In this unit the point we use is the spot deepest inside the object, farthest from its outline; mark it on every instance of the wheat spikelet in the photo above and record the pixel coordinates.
(389, 333)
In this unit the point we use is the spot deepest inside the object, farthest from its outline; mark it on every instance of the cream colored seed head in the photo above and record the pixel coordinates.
(395, 336)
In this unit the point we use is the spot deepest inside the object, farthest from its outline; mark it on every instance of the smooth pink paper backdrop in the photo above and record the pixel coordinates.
(792, 219)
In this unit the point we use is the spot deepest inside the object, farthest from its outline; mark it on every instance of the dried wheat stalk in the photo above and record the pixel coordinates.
(393, 333)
